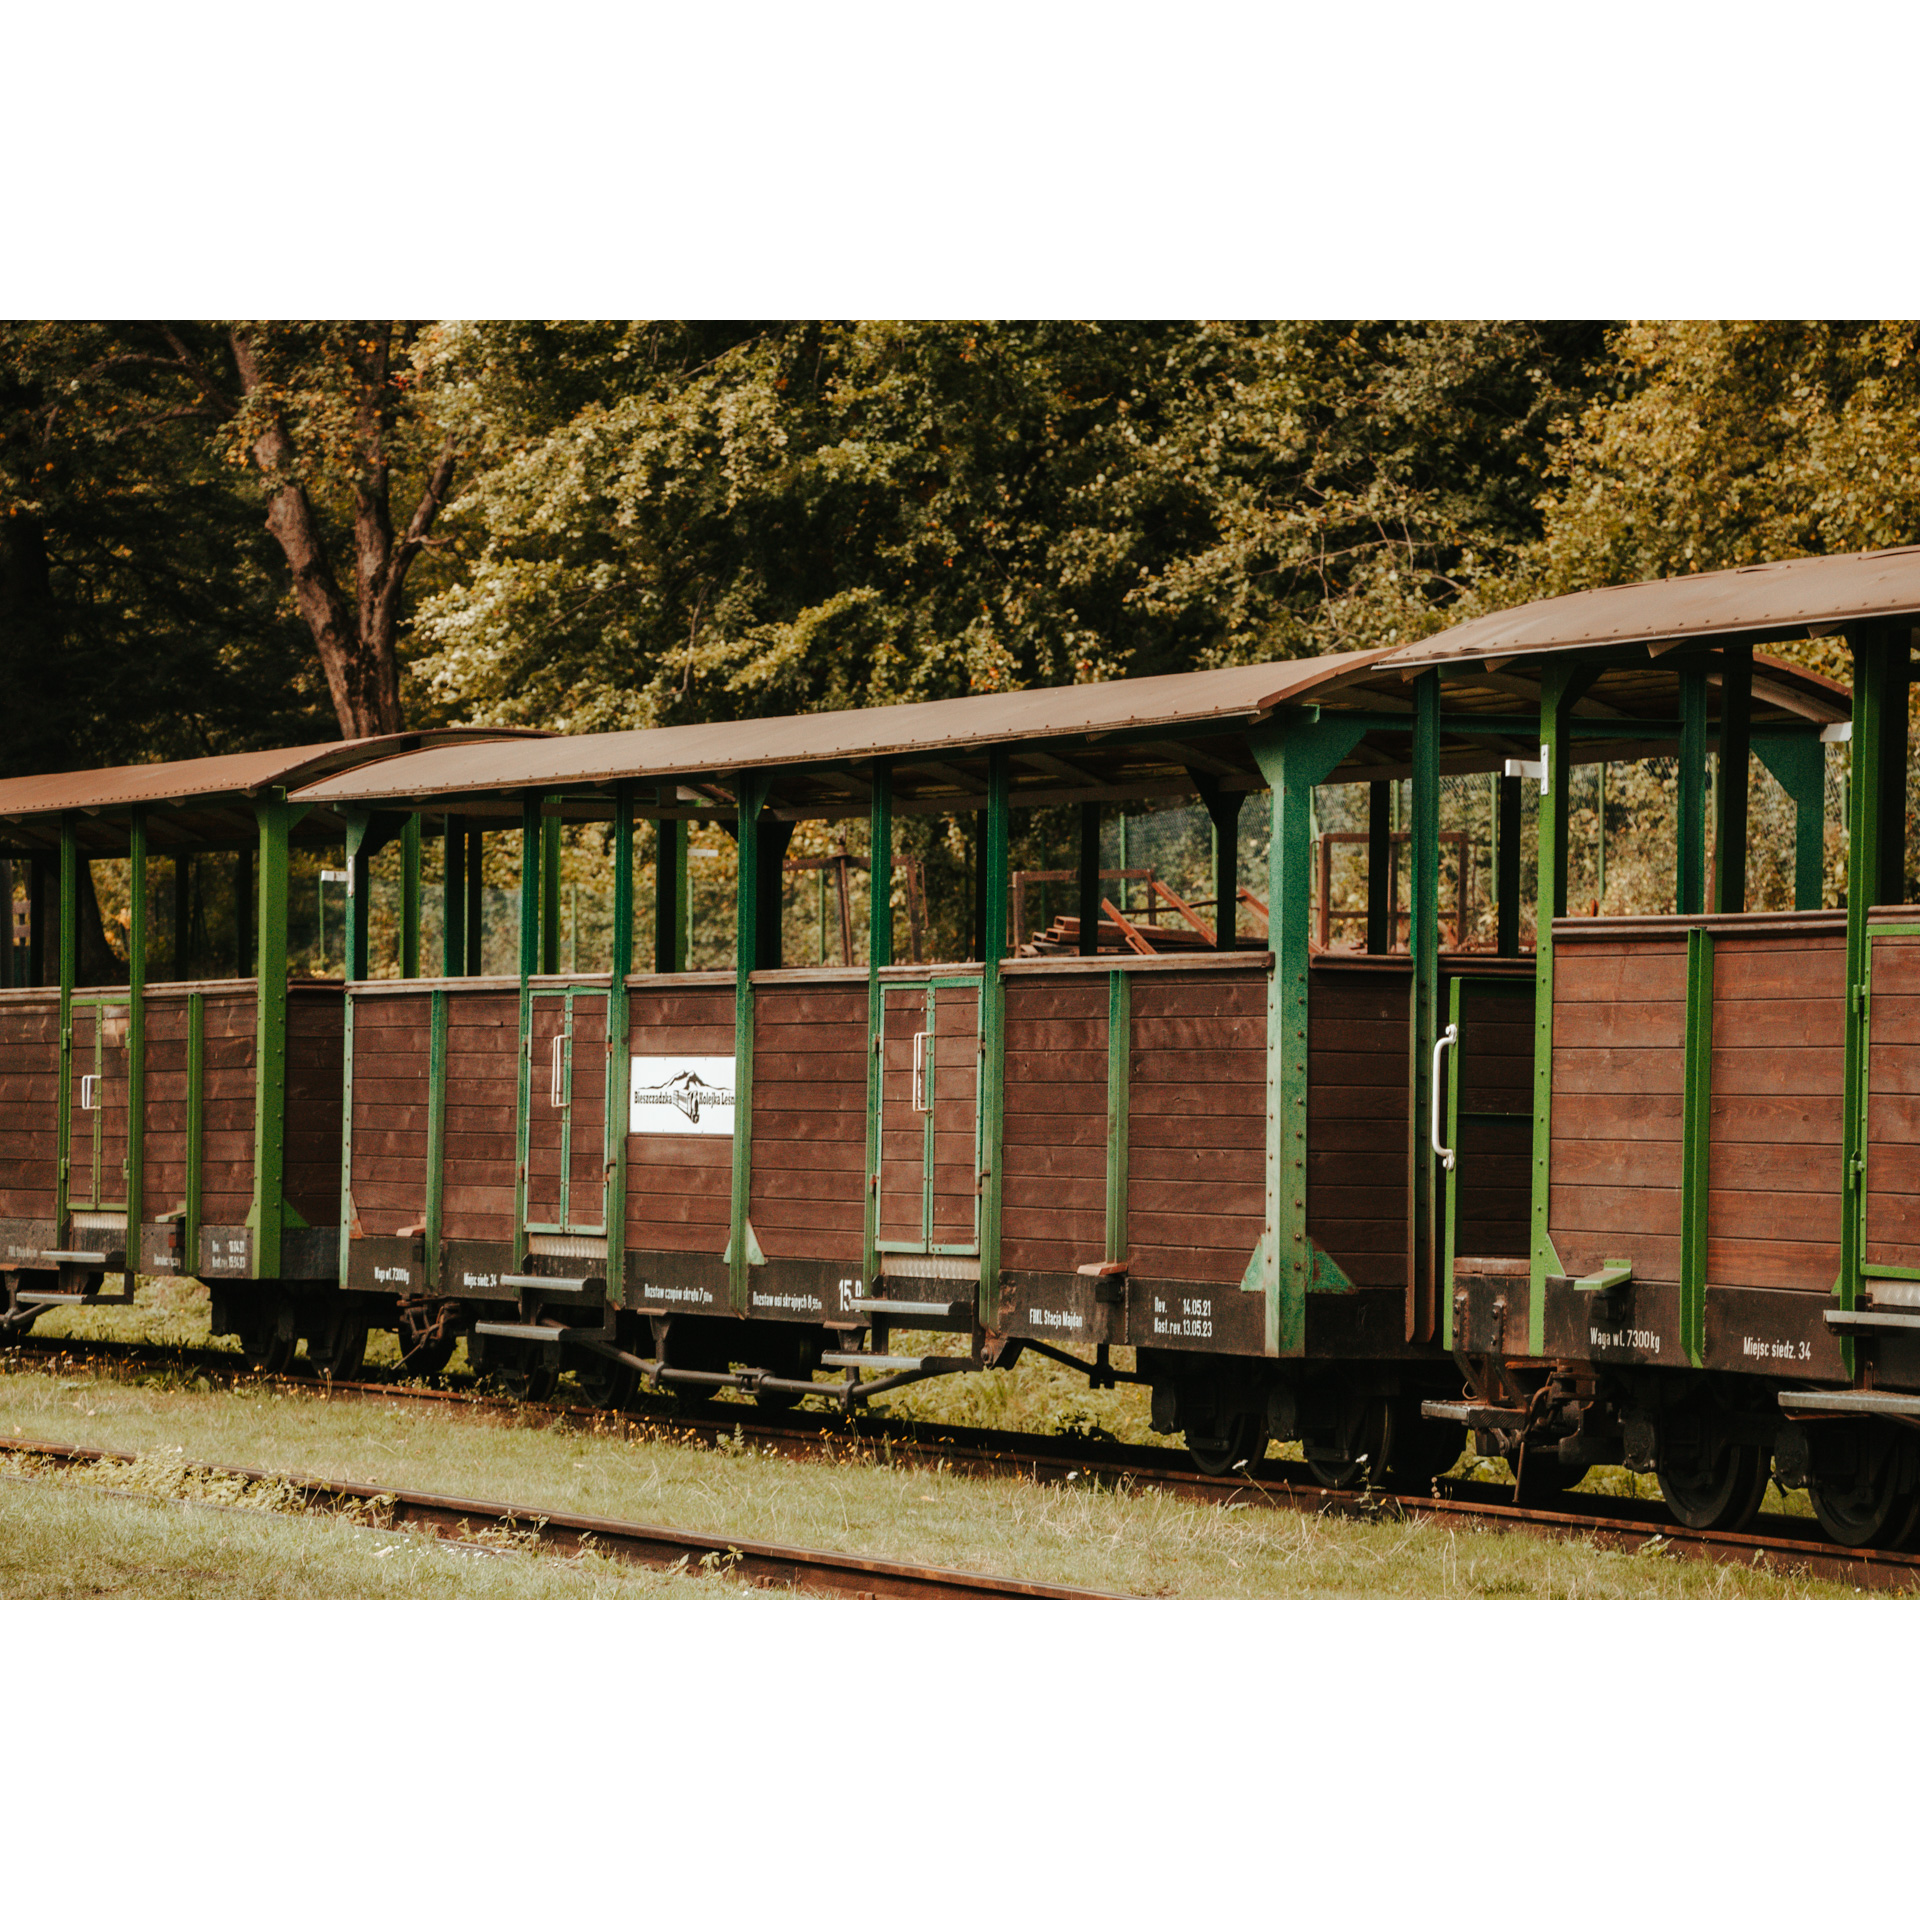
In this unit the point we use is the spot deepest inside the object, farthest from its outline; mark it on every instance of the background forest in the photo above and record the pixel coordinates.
(221, 536)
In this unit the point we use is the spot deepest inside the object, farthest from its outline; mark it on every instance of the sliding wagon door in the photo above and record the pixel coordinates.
(930, 1118)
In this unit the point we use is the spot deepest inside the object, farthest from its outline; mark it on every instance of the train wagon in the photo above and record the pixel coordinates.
(170, 1104)
(1220, 1158)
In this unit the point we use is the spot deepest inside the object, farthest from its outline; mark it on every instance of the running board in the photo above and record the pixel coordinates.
(1901, 1406)
(546, 1282)
(956, 1311)
(1473, 1413)
(1846, 1320)
(39, 1297)
(926, 1363)
(518, 1330)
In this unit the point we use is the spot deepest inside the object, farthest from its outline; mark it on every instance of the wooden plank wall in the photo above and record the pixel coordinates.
(807, 1200)
(1893, 1106)
(1357, 1118)
(390, 1056)
(1196, 1176)
(1054, 1141)
(29, 1105)
(1776, 1170)
(1494, 1184)
(165, 1176)
(483, 1112)
(678, 1187)
(955, 1065)
(226, 1179)
(1619, 1057)
(316, 1054)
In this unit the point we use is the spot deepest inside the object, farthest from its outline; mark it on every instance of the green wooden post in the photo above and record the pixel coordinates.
(879, 955)
(619, 1072)
(529, 965)
(1295, 754)
(1695, 1133)
(1223, 810)
(70, 871)
(1119, 1099)
(1423, 948)
(196, 1129)
(1089, 878)
(750, 791)
(182, 917)
(453, 905)
(995, 878)
(476, 901)
(410, 898)
(1690, 851)
(550, 896)
(1798, 760)
(136, 1032)
(269, 1215)
(670, 890)
(1380, 927)
(354, 968)
(1730, 790)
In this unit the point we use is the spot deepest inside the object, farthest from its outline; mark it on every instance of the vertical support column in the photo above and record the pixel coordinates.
(1089, 878)
(879, 955)
(1119, 1107)
(1873, 692)
(1379, 866)
(69, 960)
(354, 940)
(1695, 1133)
(1506, 879)
(770, 917)
(1690, 851)
(529, 964)
(996, 850)
(453, 898)
(1730, 790)
(410, 898)
(1798, 760)
(244, 956)
(1423, 948)
(619, 1073)
(1223, 809)
(670, 891)
(750, 793)
(476, 901)
(182, 916)
(1294, 755)
(268, 1216)
(550, 895)
(136, 1031)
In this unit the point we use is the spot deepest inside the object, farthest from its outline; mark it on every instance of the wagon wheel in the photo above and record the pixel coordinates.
(605, 1382)
(267, 1340)
(1369, 1431)
(339, 1352)
(1420, 1450)
(806, 1358)
(1721, 1496)
(1876, 1508)
(526, 1373)
(1241, 1442)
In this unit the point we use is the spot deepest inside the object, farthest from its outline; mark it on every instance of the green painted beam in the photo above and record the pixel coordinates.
(1730, 789)
(1294, 753)
(995, 877)
(1423, 945)
(879, 955)
(136, 1029)
(1223, 812)
(1696, 1145)
(71, 871)
(750, 793)
(410, 898)
(1690, 852)
(476, 900)
(1380, 861)
(531, 892)
(619, 1073)
(1799, 762)
(1119, 1106)
(550, 896)
(268, 1216)
(453, 898)
(1506, 883)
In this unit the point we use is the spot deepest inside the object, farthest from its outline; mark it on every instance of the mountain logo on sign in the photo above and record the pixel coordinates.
(687, 1091)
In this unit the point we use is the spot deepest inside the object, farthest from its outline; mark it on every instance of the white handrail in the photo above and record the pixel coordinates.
(1451, 1038)
(558, 1098)
(920, 1071)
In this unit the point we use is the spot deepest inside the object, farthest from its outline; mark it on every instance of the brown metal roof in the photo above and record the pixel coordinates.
(1785, 594)
(194, 799)
(1094, 714)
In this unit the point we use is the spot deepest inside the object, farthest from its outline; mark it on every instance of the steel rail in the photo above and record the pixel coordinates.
(452, 1516)
(1601, 1520)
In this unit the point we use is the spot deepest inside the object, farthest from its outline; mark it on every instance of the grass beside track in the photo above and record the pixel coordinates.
(1149, 1544)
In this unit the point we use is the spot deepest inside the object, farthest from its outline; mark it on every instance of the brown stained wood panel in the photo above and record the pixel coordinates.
(164, 1181)
(1892, 1236)
(392, 1043)
(1053, 1202)
(482, 1123)
(1191, 1229)
(29, 1109)
(1610, 1025)
(1618, 1116)
(807, 1194)
(316, 1056)
(1771, 1216)
(678, 1188)
(226, 1182)
(1655, 1256)
(1789, 1265)
(1617, 1163)
(1598, 1209)
(1639, 1071)
(1807, 1071)
(1620, 971)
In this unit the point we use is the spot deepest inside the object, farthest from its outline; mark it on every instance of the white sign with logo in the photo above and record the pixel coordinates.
(682, 1093)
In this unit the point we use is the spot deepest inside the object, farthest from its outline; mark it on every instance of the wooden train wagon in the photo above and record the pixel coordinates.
(183, 1124)
(1221, 1159)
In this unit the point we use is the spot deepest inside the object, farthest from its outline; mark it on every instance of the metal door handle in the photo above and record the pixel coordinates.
(558, 1100)
(86, 1091)
(920, 1071)
(1451, 1038)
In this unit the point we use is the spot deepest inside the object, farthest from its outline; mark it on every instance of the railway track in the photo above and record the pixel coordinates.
(1633, 1526)
(454, 1517)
